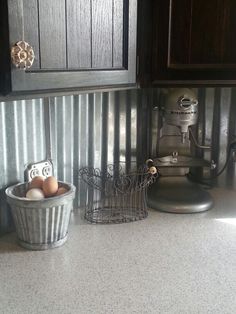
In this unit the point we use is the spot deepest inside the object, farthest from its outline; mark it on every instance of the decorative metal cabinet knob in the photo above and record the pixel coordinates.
(22, 55)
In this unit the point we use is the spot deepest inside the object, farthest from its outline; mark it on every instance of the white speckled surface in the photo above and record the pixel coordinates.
(165, 264)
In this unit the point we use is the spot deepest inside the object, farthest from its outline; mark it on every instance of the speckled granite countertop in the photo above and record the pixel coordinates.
(167, 263)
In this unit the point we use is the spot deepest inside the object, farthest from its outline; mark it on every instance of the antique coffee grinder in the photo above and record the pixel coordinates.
(173, 191)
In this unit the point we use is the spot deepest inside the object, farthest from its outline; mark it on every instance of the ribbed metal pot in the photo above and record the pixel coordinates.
(41, 224)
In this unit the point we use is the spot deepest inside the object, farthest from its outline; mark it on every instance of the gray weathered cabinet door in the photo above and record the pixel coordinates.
(77, 43)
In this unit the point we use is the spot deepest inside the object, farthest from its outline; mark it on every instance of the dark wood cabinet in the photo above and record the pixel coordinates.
(193, 41)
(77, 43)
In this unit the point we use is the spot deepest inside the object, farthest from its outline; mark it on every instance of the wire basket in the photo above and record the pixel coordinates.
(116, 195)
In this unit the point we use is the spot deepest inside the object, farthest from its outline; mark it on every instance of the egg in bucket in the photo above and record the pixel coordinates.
(41, 212)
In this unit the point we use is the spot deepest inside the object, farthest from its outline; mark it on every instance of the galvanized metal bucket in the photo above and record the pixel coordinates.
(41, 224)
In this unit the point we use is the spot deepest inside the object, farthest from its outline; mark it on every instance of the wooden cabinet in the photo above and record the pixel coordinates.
(193, 41)
(77, 43)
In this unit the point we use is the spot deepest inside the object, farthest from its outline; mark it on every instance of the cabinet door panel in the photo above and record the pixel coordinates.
(101, 33)
(201, 33)
(79, 34)
(213, 39)
(52, 34)
(24, 25)
(193, 40)
(77, 43)
(118, 41)
(31, 34)
(206, 33)
(180, 32)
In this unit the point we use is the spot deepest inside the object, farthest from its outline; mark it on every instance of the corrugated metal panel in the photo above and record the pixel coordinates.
(218, 128)
(86, 130)
(22, 140)
(99, 129)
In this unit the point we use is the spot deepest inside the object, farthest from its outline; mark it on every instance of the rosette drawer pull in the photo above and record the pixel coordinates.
(22, 55)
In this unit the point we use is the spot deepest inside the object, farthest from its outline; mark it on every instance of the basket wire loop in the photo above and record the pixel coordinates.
(116, 195)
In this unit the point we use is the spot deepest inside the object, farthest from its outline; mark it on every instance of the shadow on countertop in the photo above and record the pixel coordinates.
(8, 244)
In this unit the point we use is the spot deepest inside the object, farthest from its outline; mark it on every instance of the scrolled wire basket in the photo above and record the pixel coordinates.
(116, 195)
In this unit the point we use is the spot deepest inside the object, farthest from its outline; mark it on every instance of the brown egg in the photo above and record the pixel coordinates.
(61, 190)
(36, 182)
(50, 186)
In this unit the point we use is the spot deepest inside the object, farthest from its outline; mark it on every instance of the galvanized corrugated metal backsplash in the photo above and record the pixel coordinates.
(217, 127)
(22, 138)
(89, 129)
(100, 128)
